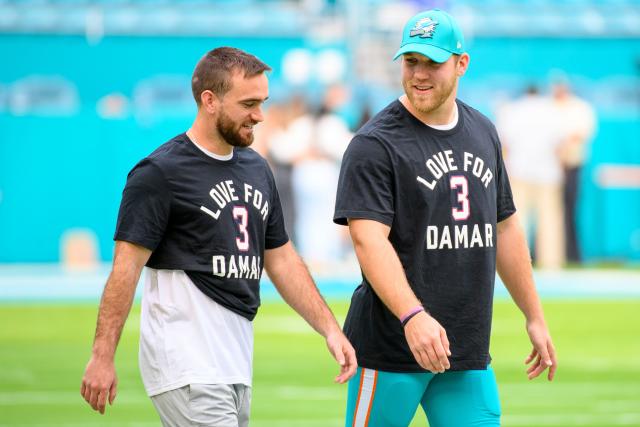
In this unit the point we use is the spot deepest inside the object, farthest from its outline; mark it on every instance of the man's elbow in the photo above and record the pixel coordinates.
(507, 224)
(364, 242)
(280, 259)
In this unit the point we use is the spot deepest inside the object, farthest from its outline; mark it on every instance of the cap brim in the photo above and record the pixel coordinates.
(434, 53)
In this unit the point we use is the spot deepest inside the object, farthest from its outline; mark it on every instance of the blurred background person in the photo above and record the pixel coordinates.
(321, 139)
(305, 147)
(285, 145)
(529, 130)
(577, 124)
(315, 179)
(281, 151)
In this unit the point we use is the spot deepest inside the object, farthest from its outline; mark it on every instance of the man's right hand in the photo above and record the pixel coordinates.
(99, 383)
(428, 342)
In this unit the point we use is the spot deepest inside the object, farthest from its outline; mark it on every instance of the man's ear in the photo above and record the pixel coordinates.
(463, 64)
(209, 101)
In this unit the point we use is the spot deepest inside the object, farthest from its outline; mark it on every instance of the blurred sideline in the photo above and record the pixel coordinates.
(52, 283)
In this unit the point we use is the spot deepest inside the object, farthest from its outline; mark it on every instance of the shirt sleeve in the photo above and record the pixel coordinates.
(276, 234)
(145, 206)
(365, 186)
(505, 204)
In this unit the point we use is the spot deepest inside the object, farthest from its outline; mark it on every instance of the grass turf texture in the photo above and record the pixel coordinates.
(44, 348)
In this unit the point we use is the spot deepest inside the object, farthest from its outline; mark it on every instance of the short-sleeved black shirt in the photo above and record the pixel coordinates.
(442, 193)
(209, 217)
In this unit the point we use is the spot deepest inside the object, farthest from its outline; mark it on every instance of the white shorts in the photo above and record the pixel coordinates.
(205, 405)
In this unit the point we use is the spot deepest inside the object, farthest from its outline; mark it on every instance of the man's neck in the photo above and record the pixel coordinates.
(443, 115)
(208, 138)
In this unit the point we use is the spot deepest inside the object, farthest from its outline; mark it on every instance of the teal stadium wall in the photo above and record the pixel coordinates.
(68, 171)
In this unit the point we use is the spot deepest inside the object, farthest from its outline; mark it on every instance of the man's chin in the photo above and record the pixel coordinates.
(246, 137)
(243, 142)
(419, 102)
(423, 107)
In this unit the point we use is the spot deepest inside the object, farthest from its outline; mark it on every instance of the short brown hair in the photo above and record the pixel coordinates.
(214, 70)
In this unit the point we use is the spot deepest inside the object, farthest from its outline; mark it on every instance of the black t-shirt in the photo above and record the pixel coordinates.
(209, 217)
(441, 192)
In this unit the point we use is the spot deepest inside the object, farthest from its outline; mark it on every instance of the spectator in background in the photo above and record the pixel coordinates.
(529, 130)
(313, 144)
(315, 179)
(282, 149)
(577, 127)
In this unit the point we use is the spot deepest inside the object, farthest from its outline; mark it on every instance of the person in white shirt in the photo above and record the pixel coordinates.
(530, 132)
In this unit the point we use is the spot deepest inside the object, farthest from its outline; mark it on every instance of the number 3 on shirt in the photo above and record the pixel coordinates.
(463, 197)
(240, 213)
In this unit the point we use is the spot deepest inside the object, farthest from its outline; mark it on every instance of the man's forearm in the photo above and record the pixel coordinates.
(115, 304)
(291, 277)
(514, 267)
(383, 269)
(114, 309)
(293, 281)
(427, 339)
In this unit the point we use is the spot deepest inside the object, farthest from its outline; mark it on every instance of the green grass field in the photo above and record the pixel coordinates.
(44, 348)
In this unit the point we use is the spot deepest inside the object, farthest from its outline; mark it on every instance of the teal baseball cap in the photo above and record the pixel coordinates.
(434, 34)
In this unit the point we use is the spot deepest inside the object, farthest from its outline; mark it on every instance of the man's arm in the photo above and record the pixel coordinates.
(100, 380)
(427, 339)
(293, 281)
(514, 267)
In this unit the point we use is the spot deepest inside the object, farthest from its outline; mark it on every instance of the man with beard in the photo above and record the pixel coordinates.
(427, 200)
(203, 214)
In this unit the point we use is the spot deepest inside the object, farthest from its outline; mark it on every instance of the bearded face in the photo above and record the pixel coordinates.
(238, 133)
(427, 98)
(235, 113)
(428, 84)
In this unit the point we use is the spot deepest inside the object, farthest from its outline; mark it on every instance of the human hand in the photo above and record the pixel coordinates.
(345, 355)
(99, 382)
(428, 342)
(543, 354)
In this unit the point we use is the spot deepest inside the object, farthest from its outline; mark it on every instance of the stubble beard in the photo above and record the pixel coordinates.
(230, 131)
(432, 101)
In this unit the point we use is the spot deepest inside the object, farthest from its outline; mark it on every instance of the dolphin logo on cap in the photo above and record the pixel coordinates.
(424, 28)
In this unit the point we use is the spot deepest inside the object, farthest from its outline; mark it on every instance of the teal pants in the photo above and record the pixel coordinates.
(451, 399)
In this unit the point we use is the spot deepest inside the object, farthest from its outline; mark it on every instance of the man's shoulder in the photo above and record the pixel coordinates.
(475, 117)
(159, 161)
(250, 155)
(473, 113)
(385, 123)
(168, 152)
(249, 159)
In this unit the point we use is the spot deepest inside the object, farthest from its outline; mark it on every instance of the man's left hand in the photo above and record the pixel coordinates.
(543, 355)
(345, 355)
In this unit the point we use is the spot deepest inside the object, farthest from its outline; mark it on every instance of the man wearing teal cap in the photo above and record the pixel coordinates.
(426, 196)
